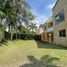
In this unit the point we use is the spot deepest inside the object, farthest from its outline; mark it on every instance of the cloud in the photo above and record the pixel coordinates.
(41, 19)
(41, 9)
(50, 6)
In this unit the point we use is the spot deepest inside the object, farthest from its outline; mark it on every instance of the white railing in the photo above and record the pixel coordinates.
(49, 30)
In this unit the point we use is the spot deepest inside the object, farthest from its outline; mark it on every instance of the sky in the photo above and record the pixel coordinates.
(42, 9)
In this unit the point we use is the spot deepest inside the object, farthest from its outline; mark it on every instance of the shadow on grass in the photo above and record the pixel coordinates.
(41, 44)
(4, 42)
(45, 61)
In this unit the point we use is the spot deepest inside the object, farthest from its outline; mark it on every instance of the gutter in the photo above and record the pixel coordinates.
(55, 4)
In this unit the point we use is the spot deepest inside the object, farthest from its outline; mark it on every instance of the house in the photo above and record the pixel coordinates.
(55, 29)
(40, 29)
(48, 31)
(60, 22)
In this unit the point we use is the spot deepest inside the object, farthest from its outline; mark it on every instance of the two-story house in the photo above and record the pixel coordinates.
(60, 22)
(55, 29)
(47, 34)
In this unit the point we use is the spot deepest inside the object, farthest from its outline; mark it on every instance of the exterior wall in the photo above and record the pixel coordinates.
(46, 38)
(50, 37)
(63, 25)
(42, 37)
(40, 29)
(47, 35)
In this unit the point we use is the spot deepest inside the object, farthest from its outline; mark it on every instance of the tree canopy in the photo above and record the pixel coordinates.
(16, 13)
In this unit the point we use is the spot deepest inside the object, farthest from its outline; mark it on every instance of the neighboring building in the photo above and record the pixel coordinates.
(47, 34)
(55, 29)
(43, 37)
(40, 29)
(60, 22)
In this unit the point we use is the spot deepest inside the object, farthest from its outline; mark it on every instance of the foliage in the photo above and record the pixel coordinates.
(11, 11)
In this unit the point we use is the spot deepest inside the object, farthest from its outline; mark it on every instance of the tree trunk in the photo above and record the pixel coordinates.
(19, 36)
(11, 33)
(2, 31)
(16, 36)
(11, 36)
(0, 36)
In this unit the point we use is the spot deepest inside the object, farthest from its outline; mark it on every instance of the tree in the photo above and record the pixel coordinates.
(14, 11)
(1, 19)
(11, 16)
(7, 8)
(33, 27)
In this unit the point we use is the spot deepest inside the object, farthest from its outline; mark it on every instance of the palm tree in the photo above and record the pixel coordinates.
(11, 10)
(33, 28)
(11, 16)
(1, 19)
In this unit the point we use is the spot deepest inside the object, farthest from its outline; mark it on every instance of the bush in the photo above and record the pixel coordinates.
(23, 36)
(29, 37)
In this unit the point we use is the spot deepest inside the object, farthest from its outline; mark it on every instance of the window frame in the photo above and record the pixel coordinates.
(60, 17)
(62, 33)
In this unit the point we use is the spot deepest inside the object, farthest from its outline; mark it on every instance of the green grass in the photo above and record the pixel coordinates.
(32, 53)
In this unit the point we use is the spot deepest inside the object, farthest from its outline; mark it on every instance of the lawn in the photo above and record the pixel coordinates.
(31, 53)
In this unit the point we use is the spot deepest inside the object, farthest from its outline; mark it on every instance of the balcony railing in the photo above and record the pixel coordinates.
(49, 30)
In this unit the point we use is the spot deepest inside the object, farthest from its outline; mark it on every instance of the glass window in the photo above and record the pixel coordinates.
(59, 17)
(62, 33)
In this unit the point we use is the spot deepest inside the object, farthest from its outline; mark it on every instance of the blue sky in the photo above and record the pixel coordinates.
(42, 9)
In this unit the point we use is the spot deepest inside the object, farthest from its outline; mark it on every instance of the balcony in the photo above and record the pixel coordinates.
(50, 30)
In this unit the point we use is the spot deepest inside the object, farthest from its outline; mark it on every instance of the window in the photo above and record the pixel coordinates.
(62, 33)
(59, 17)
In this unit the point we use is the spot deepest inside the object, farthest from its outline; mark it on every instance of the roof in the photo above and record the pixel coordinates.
(49, 20)
(55, 4)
